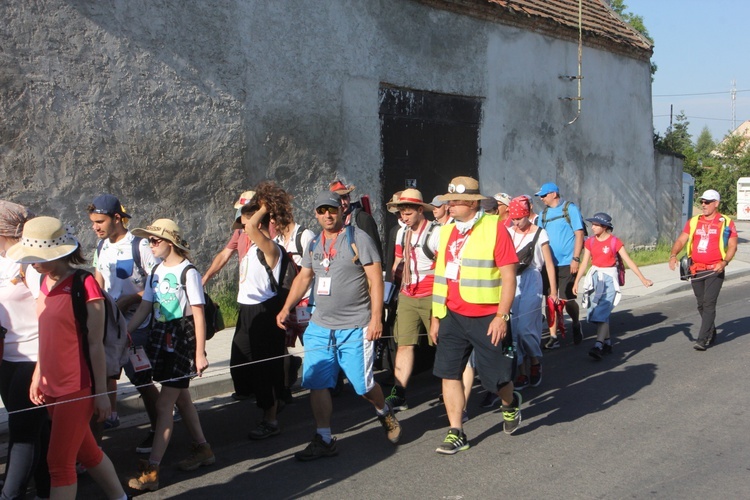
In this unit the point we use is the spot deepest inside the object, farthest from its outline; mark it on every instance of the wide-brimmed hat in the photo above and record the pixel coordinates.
(166, 229)
(410, 196)
(503, 198)
(340, 188)
(602, 219)
(392, 204)
(463, 188)
(44, 239)
(244, 199)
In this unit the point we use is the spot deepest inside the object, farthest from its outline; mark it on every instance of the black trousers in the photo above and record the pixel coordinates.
(706, 291)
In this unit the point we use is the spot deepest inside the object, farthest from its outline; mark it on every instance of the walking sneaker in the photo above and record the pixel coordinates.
(490, 400)
(147, 478)
(316, 449)
(512, 414)
(522, 382)
(712, 338)
(391, 426)
(535, 373)
(596, 352)
(454, 442)
(264, 430)
(700, 346)
(607, 348)
(111, 423)
(200, 454)
(146, 444)
(577, 333)
(397, 399)
(552, 343)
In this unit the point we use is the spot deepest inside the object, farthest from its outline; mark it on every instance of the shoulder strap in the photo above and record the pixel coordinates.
(99, 247)
(536, 237)
(78, 298)
(135, 245)
(349, 230)
(565, 212)
(284, 262)
(183, 280)
(298, 240)
(425, 246)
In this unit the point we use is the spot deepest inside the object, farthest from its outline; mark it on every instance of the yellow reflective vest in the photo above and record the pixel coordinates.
(479, 277)
(723, 234)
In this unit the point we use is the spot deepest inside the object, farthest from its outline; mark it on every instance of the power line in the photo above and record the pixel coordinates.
(699, 93)
(700, 118)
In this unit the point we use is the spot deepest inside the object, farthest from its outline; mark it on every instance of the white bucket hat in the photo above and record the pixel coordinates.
(44, 239)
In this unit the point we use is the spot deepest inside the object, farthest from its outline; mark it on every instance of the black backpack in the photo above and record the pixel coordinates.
(287, 272)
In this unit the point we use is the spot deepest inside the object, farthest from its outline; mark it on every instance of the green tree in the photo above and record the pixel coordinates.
(677, 138)
(636, 22)
(705, 144)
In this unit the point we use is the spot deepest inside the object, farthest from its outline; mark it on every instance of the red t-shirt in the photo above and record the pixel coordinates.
(504, 253)
(62, 364)
(602, 254)
(706, 239)
(421, 266)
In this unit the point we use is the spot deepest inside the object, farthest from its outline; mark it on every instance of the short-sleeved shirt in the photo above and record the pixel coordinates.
(521, 240)
(255, 284)
(18, 311)
(562, 237)
(504, 255)
(706, 239)
(602, 253)
(62, 363)
(291, 247)
(171, 300)
(348, 304)
(422, 274)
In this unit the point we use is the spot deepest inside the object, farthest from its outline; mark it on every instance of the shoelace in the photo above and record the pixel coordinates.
(452, 438)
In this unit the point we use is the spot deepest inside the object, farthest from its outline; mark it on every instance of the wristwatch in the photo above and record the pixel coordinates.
(577, 259)
(505, 316)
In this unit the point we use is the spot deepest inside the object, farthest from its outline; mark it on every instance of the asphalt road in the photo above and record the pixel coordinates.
(654, 420)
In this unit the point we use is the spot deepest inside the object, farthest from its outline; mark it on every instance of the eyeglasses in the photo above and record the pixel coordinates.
(707, 202)
(330, 210)
(154, 242)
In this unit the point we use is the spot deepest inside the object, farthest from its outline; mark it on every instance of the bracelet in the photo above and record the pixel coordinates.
(505, 316)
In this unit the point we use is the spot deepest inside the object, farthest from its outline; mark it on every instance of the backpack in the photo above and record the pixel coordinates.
(135, 248)
(619, 264)
(297, 242)
(116, 340)
(211, 310)
(287, 273)
(526, 254)
(423, 245)
(566, 215)
(349, 233)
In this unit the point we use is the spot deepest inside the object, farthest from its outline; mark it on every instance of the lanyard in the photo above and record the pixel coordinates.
(458, 249)
(326, 263)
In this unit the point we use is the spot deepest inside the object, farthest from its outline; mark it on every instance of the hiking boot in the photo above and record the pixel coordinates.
(147, 478)
(490, 400)
(700, 346)
(111, 423)
(535, 375)
(596, 352)
(552, 343)
(521, 382)
(397, 400)
(200, 454)
(316, 449)
(512, 414)
(264, 430)
(577, 333)
(454, 442)
(607, 348)
(391, 426)
(146, 444)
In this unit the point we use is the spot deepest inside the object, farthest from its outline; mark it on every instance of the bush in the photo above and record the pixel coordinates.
(225, 296)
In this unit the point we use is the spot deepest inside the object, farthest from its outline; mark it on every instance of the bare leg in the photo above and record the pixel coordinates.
(190, 416)
(453, 395)
(164, 424)
(404, 364)
(322, 407)
(375, 396)
(467, 382)
(106, 477)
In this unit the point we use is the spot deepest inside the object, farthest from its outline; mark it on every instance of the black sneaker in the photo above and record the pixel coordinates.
(316, 449)
(146, 444)
(521, 382)
(263, 431)
(607, 348)
(454, 442)
(577, 333)
(552, 343)
(396, 400)
(699, 346)
(512, 415)
(596, 352)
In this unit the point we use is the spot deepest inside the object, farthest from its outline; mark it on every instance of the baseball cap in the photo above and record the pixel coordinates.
(710, 195)
(327, 199)
(547, 188)
(437, 202)
(110, 205)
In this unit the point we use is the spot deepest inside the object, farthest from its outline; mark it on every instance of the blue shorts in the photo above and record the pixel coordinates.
(328, 351)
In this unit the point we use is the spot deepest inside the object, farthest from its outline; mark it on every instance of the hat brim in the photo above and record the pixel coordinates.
(396, 204)
(143, 233)
(461, 197)
(601, 223)
(28, 255)
(342, 192)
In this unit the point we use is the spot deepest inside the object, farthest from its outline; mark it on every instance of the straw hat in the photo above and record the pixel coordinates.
(165, 229)
(245, 198)
(340, 188)
(44, 239)
(463, 188)
(409, 196)
(392, 208)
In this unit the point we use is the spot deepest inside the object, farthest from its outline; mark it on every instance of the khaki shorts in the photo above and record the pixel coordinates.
(412, 318)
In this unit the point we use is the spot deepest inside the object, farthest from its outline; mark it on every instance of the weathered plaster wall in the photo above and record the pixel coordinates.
(179, 106)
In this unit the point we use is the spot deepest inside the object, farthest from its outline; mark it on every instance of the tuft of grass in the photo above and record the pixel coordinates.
(648, 256)
(225, 296)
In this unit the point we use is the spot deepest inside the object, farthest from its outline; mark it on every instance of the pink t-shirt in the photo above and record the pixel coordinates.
(62, 364)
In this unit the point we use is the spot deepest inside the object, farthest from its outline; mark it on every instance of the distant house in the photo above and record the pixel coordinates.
(180, 106)
(743, 132)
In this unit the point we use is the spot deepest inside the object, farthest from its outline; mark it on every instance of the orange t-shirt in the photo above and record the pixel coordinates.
(62, 363)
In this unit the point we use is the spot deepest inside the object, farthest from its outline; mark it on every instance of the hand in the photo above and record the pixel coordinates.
(555, 297)
(434, 327)
(497, 330)
(282, 317)
(573, 267)
(201, 363)
(672, 263)
(102, 407)
(374, 329)
(647, 282)
(575, 290)
(35, 395)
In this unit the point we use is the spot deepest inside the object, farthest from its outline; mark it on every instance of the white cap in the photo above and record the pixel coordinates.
(710, 195)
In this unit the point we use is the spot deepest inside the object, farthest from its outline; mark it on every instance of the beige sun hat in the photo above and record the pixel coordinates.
(340, 188)
(392, 208)
(44, 239)
(409, 196)
(166, 229)
(244, 199)
(463, 188)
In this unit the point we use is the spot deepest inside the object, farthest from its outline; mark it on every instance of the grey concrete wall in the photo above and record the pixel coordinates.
(179, 106)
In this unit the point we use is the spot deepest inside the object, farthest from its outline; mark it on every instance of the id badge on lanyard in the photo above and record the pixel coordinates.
(138, 359)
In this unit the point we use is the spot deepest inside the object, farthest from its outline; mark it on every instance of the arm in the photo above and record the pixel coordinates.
(125, 302)
(199, 318)
(299, 286)
(218, 264)
(99, 279)
(140, 315)
(95, 325)
(396, 262)
(731, 250)
(549, 265)
(577, 251)
(374, 274)
(677, 248)
(269, 248)
(499, 327)
(584, 266)
(35, 395)
(625, 257)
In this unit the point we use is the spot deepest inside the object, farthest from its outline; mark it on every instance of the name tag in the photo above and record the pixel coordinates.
(324, 286)
(451, 270)
(139, 360)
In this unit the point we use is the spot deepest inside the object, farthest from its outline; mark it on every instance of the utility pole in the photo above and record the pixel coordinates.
(733, 93)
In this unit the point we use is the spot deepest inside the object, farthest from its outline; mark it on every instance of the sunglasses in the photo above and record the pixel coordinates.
(330, 210)
(154, 242)
(707, 202)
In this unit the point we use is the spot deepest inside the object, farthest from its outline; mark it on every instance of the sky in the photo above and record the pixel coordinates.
(700, 46)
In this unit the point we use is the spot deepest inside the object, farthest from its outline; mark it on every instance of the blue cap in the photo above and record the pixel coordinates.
(328, 199)
(437, 202)
(110, 205)
(547, 188)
